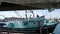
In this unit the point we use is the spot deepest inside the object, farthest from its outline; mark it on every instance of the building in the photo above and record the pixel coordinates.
(28, 4)
(13, 18)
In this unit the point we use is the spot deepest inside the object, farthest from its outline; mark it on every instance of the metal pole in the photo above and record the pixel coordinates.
(32, 13)
(26, 14)
(50, 15)
(50, 10)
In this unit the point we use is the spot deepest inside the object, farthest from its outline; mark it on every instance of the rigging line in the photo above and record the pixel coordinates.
(17, 13)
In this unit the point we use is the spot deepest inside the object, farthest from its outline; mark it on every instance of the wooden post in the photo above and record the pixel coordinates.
(0, 31)
(40, 30)
(40, 27)
(47, 30)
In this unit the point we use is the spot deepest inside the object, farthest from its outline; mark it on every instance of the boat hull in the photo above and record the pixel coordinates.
(29, 30)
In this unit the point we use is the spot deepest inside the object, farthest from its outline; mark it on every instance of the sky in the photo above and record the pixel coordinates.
(53, 14)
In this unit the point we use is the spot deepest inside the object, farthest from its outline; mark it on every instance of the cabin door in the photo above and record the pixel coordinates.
(38, 23)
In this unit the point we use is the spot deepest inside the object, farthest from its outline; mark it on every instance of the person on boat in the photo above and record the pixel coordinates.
(37, 16)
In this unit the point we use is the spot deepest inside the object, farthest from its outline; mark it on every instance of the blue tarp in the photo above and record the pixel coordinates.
(57, 29)
(2, 24)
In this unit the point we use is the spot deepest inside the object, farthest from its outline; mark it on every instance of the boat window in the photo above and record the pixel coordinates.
(25, 23)
(34, 22)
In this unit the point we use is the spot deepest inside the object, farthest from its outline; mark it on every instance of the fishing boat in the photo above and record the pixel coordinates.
(28, 25)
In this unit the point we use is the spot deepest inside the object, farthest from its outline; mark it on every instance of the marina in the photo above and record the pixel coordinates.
(31, 25)
(29, 16)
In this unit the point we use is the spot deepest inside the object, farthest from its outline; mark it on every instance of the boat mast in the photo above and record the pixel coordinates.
(32, 13)
(50, 10)
(26, 14)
